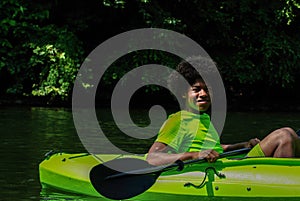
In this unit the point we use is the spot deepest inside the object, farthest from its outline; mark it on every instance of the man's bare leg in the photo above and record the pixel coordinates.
(281, 143)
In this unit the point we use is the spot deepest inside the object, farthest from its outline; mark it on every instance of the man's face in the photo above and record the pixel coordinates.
(198, 97)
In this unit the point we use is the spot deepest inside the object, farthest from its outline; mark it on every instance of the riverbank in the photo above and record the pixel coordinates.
(32, 101)
(288, 105)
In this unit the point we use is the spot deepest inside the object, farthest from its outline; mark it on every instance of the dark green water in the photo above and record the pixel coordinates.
(27, 133)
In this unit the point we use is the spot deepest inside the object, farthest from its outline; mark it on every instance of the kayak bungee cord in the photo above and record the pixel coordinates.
(202, 184)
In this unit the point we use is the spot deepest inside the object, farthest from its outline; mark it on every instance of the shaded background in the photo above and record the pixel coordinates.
(254, 42)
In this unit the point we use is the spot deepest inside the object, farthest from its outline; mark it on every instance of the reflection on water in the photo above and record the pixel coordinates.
(48, 194)
(28, 133)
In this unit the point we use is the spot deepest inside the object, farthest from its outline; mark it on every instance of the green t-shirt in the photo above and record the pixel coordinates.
(187, 132)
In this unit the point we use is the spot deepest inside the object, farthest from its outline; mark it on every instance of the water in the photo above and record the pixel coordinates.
(27, 133)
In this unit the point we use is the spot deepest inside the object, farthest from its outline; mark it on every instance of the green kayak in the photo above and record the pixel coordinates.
(228, 177)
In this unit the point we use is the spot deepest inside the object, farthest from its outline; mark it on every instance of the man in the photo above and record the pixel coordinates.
(189, 134)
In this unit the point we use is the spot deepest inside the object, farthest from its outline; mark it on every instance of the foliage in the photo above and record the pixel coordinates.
(254, 42)
(40, 58)
(287, 11)
(136, 59)
(264, 49)
(57, 72)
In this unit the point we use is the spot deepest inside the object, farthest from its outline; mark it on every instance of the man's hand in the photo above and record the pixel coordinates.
(210, 155)
(252, 142)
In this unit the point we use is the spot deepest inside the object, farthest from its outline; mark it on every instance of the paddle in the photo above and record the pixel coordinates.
(127, 177)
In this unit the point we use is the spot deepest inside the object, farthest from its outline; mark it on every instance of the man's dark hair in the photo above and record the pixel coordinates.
(187, 69)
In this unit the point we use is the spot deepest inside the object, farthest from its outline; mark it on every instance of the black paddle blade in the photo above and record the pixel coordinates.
(126, 186)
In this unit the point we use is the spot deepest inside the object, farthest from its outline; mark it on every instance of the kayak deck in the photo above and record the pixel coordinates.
(251, 177)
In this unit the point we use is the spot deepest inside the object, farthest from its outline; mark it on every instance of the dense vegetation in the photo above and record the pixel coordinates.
(255, 43)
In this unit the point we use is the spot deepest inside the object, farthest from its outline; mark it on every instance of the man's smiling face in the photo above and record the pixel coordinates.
(198, 97)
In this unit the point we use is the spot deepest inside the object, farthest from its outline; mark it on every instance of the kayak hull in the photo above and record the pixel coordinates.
(251, 177)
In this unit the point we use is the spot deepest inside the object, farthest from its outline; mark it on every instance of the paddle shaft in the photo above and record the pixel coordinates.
(178, 164)
(223, 155)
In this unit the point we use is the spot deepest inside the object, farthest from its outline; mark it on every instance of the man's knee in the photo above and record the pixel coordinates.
(290, 131)
(286, 135)
(283, 135)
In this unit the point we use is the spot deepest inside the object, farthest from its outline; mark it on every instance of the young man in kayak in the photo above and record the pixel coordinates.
(189, 134)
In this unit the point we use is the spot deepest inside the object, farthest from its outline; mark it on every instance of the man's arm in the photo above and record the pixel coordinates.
(159, 155)
(251, 143)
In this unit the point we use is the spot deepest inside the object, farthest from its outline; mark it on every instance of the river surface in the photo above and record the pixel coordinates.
(27, 133)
